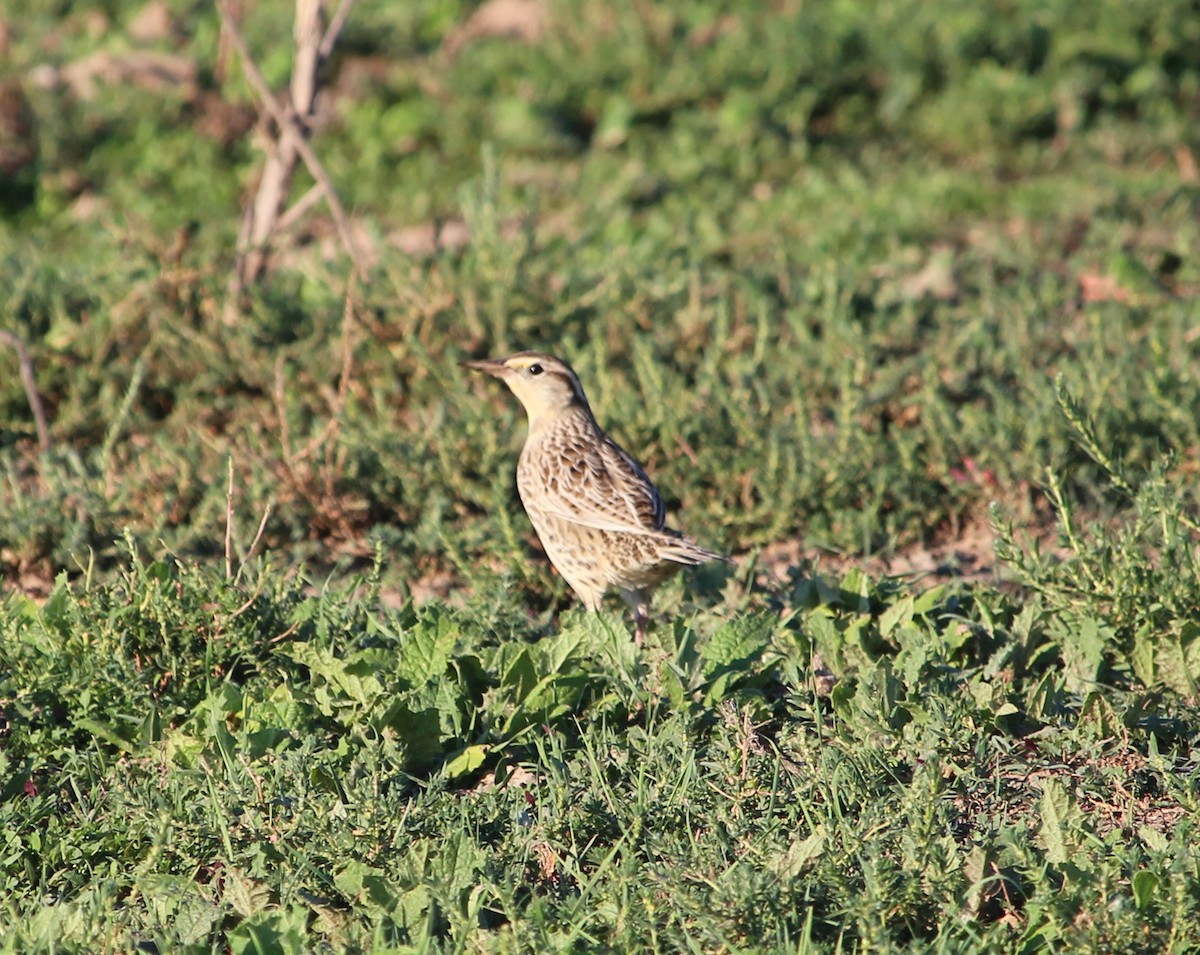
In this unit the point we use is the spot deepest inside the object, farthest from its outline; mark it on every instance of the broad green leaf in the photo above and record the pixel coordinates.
(1098, 716)
(270, 740)
(520, 675)
(272, 933)
(1083, 641)
(152, 728)
(801, 854)
(412, 908)
(1059, 816)
(672, 686)
(182, 747)
(354, 878)
(466, 762)
(104, 732)
(975, 871)
(353, 678)
(1152, 839)
(559, 653)
(928, 600)
(179, 902)
(417, 728)
(916, 650)
(244, 895)
(1142, 656)
(425, 648)
(1145, 886)
(1045, 699)
(896, 615)
(855, 591)
(1182, 659)
(842, 697)
(56, 611)
(458, 863)
(603, 635)
(737, 644)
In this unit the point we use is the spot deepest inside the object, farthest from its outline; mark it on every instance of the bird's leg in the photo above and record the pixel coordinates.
(641, 615)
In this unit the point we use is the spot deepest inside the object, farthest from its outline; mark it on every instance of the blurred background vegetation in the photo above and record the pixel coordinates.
(817, 264)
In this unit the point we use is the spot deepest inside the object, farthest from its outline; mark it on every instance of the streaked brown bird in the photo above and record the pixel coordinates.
(600, 520)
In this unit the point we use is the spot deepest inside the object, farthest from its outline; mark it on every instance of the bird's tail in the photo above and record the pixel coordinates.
(684, 550)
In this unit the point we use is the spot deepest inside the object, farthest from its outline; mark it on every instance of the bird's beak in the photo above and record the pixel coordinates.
(493, 366)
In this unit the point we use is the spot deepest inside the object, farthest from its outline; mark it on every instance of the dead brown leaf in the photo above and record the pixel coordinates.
(1186, 161)
(152, 23)
(1095, 287)
(146, 69)
(522, 20)
(935, 279)
(966, 556)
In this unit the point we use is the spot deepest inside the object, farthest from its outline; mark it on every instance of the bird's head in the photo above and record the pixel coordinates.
(544, 384)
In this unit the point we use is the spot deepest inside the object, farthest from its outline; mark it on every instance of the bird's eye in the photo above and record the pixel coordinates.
(535, 369)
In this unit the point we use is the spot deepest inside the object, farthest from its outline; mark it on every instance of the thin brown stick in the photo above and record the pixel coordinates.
(298, 209)
(262, 526)
(246, 559)
(229, 524)
(334, 28)
(29, 383)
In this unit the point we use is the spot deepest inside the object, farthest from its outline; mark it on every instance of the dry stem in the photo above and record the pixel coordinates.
(30, 384)
(264, 218)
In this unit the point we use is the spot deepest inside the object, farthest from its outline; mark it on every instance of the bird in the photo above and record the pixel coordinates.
(599, 518)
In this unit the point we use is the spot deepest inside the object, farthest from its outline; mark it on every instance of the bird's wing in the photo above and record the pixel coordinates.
(596, 484)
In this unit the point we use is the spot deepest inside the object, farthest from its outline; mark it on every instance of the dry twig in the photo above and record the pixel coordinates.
(229, 524)
(264, 217)
(244, 559)
(335, 28)
(30, 385)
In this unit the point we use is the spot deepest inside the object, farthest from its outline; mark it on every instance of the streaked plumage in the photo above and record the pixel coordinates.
(600, 520)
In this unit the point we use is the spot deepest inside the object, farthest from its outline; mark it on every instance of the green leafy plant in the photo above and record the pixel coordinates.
(1123, 596)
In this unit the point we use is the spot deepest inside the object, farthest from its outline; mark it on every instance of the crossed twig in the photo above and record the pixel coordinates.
(265, 217)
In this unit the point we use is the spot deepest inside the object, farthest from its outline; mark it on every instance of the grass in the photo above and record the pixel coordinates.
(192, 759)
(281, 668)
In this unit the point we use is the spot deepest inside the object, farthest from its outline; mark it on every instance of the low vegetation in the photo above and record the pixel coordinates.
(281, 666)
